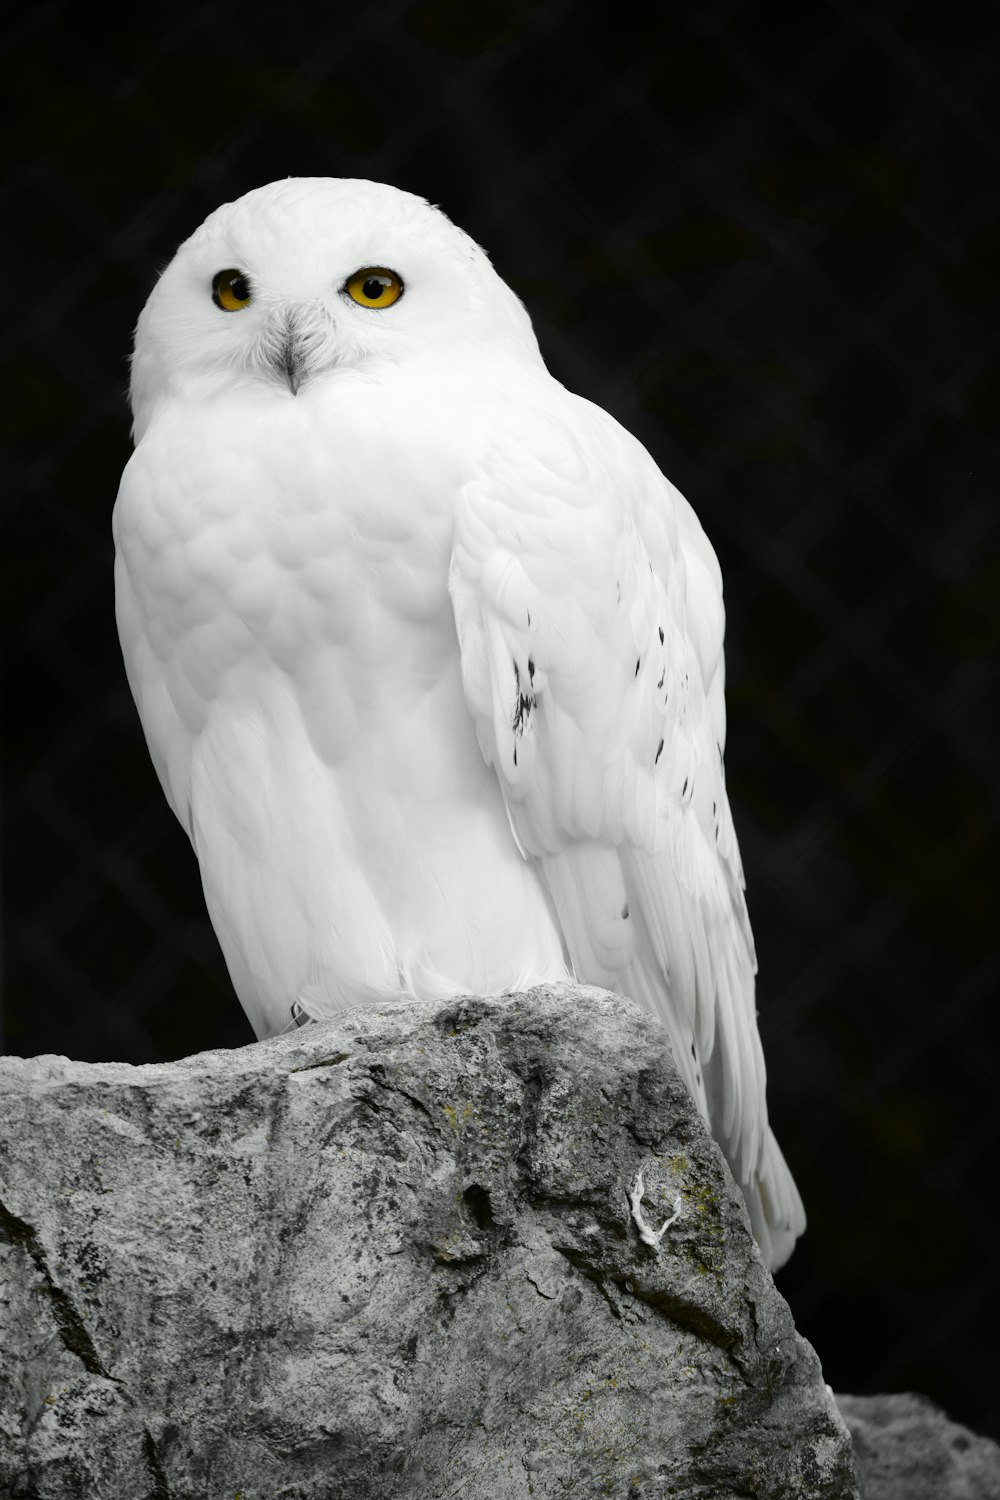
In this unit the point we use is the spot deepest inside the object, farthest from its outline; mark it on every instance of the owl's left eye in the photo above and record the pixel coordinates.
(374, 286)
(231, 290)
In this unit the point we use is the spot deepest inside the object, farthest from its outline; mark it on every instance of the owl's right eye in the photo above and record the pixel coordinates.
(231, 290)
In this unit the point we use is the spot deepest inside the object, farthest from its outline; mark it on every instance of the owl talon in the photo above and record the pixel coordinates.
(300, 1017)
(650, 1236)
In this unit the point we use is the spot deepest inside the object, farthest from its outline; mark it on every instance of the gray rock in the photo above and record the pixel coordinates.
(393, 1256)
(907, 1448)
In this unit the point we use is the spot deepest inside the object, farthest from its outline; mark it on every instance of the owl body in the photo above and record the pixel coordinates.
(293, 653)
(427, 651)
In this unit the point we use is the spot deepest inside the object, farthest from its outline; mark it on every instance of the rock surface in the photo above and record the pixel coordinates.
(393, 1256)
(908, 1449)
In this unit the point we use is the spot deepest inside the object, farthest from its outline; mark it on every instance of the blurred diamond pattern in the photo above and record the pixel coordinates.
(766, 236)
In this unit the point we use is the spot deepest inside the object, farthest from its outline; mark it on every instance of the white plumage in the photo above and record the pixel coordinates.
(427, 651)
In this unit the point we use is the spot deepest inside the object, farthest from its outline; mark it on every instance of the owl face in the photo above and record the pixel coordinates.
(311, 278)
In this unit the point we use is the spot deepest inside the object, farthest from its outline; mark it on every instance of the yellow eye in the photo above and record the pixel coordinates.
(374, 286)
(231, 290)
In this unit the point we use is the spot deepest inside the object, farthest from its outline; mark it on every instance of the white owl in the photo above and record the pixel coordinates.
(427, 651)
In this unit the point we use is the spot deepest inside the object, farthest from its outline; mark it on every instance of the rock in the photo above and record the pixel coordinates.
(906, 1448)
(393, 1256)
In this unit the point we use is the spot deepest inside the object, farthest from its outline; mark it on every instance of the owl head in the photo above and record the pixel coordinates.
(314, 278)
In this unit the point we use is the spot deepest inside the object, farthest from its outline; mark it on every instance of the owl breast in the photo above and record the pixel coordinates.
(283, 605)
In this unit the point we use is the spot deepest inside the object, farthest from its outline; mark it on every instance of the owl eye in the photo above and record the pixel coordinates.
(230, 290)
(374, 286)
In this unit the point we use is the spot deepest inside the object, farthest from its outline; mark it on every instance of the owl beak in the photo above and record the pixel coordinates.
(298, 343)
(290, 361)
(287, 347)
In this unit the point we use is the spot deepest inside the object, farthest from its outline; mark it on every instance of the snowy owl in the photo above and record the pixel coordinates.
(427, 651)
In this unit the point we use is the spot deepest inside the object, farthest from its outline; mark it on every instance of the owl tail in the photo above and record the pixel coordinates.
(773, 1203)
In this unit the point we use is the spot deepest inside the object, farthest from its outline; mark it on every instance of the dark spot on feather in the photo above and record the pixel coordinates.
(522, 707)
(515, 755)
(661, 635)
(531, 669)
(684, 787)
(625, 912)
(659, 752)
(662, 675)
(619, 588)
(693, 1052)
(529, 619)
(637, 661)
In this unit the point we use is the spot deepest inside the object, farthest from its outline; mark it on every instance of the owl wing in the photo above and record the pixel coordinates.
(588, 603)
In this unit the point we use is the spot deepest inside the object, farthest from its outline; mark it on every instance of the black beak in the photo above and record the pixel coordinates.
(288, 351)
(289, 360)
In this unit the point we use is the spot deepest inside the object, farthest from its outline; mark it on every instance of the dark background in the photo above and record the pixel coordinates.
(765, 236)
